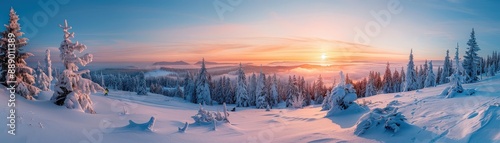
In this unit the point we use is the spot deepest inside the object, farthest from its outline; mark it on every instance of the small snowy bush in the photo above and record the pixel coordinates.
(387, 117)
(342, 99)
(207, 117)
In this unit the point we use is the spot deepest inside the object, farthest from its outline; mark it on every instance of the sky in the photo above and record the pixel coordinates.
(258, 31)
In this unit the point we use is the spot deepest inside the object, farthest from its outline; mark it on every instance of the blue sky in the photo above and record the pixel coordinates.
(260, 31)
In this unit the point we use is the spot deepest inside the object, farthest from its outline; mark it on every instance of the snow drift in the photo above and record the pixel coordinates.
(381, 119)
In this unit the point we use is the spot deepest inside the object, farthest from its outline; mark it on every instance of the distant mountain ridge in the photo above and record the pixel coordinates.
(163, 63)
(211, 63)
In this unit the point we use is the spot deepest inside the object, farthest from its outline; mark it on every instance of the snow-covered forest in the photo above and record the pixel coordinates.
(456, 101)
(259, 90)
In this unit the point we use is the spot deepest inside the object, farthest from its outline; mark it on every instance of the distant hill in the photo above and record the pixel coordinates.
(211, 63)
(165, 63)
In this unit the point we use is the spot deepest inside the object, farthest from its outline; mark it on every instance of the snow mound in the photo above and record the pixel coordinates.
(394, 103)
(489, 126)
(148, 126)
(352, 109)
(451, 92)
(381, 119)
(341, 100)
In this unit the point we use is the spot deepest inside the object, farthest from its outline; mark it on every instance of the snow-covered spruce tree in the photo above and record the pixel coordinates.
(447, 69)
(48, 65)
(430, 80)
(252, 85)
(327, 101)
(22, 74)
(43, 81)
(293, 91)
(471, 60)
(242, 97)
(189, 89)
(388, 81)
(261, 92)
(179, 92)
(228, 91)
(438, 75)
(411, 75)
(456, 80)
(491, 70)
(396, 84)
(274, 91)
(403, 79)
(71, 89)
(421, 77)
(378, 82)
(370, 89)
(318, 91)
(342, 97)
(202, 87)
(141, 86)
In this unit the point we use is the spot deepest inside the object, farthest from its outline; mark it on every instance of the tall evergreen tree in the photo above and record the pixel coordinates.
(261, 92)
(228, 96)
(202, 86)
(71, 89)
(447, 68)
(12, 44)
(430, 80)
(318, 90)
(396, 81)
(179, 92)
(370, 86)
(347, 79)
(388, 81)
(403, 80)
(252, 85)
(456, 79)
(293, 91)
(411, 77)
(242, 97)
(378, 81)
(274, 91)
(421, 76)
(141, 85)
(438, 75)
(189, 89)
(43, 81)
(471, 60)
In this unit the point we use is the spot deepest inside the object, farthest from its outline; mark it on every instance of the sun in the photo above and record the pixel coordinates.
(323, 56)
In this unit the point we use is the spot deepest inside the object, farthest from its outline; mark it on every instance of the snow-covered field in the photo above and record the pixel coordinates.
(431, 118)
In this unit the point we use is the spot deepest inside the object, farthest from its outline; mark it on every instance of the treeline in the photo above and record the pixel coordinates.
(261, 90)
